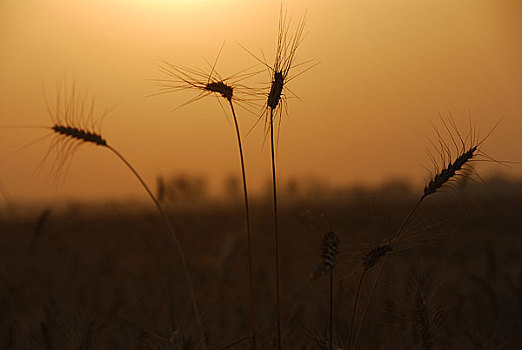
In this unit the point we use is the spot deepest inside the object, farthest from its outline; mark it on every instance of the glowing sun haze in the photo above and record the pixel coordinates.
(387, 69)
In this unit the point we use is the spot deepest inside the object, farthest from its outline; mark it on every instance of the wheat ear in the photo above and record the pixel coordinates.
(329, 245)
(449, 172)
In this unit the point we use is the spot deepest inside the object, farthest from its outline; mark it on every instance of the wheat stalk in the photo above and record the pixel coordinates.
(184, 78)
(66, 130)
(284, 63)
(284, 60)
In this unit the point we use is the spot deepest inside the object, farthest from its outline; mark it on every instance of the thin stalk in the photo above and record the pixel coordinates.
(330, 318)
(249, 241)
(368, 303)
(176, 241)
(357, 294)
(276, 232)
(408, 218)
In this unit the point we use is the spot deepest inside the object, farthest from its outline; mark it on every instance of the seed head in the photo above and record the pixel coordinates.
(449, 172)
(207, 82)
(328, 254)
(74, 121)
(375, 255)
(221, 88)
(79, 134)
(276, 89)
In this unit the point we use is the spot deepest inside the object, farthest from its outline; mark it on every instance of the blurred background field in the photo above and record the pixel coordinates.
(104, 276)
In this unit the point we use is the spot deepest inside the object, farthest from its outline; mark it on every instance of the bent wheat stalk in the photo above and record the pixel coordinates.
(92, 137)
(72, 135)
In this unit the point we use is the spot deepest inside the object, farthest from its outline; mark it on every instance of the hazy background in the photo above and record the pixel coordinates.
(387, 69)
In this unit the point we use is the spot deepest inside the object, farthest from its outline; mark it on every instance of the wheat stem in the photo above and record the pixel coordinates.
(330, 316)
(176, 241)
(368, 304)
(357, 294)
(249, 240)
(408, 218)
(276, 232)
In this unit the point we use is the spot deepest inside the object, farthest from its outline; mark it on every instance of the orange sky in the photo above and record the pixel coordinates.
(387, 68)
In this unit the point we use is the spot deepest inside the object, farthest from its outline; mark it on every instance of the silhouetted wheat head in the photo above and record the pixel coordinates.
(285, 60)
(376, 254)
(208, 81)
(74, 121)
(450, 171)
(80, 134)
(364, 257)
(282, 71)
(453, 153)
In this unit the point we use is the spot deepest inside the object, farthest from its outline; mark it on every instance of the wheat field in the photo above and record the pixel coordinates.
(281, 264)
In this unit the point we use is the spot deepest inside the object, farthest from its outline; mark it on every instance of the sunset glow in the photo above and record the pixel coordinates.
(385, 73)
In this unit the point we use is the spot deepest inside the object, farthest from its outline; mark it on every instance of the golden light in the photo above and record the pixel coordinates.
(386, 71)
